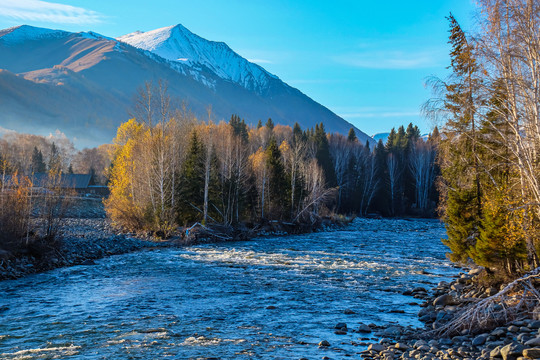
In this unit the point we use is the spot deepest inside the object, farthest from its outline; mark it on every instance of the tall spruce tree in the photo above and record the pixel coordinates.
(459, 161)
(352, 135)
(38, 165)
(323, 155)
(270, 124)
(191, 189)
(278, 186)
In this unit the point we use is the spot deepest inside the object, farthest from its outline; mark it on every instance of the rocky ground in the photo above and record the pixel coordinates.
(86, 235)
(81, 241)
(515, 340)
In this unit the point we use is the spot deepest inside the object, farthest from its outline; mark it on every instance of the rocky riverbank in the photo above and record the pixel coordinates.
(86, 235)
(515, 339)
(81, 241)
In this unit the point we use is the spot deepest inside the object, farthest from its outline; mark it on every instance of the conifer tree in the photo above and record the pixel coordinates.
(278, 182)
(55, 162)
(191, 190)
(381, 200)
(270, 124)
(352, 135)
(259, 124)
(38, 165)
(323, 155)
(459, 161)
(298, 135)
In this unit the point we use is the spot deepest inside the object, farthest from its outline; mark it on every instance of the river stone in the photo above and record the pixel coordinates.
(532, 353)
(533, 342)
(512, 351)
(513, 328)
(376, 347)
(348, 312)
(392, 331)
(480, 340)
(402, 346)
(498, 332)
(534, 324)
(444, 300)
(420, 343)
(363, 328)
(495, 353)
(475, 271)
(324, 343)
(340, 326)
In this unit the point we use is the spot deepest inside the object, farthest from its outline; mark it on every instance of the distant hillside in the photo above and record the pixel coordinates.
(84, 83)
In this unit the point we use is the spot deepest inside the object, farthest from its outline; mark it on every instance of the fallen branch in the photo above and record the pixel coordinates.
(514, 299)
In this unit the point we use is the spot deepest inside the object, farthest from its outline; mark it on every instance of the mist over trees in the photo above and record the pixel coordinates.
(491, 138)
(27, 154)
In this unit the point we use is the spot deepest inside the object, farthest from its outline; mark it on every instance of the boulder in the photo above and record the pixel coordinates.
(402, 347)
(340, 326)
(324, 343)
(363, 328)
(512, 351)
(533, 342)
(495, 353)
(532, 353)
(376, 347)
(480, 340)
(534, 324)
(476, 271)
(444, 300)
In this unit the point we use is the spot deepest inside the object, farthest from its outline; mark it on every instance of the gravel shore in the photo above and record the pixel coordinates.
(515, 340)
(81, 241)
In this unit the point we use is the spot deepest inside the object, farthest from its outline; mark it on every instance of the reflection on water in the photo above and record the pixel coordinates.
(272, 298)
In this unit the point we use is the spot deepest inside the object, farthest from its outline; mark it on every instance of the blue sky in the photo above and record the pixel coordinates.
(365, 60)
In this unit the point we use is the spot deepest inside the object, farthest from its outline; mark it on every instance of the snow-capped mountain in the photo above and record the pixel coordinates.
(178, 44)
(84, 83)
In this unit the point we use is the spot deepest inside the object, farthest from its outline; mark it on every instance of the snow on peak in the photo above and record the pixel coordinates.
(94, 36)
(23, 33)
(178, 44)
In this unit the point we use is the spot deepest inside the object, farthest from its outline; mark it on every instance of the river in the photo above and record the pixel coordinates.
(269, 298)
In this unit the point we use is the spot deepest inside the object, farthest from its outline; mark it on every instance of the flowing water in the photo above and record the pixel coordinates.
(269, 298)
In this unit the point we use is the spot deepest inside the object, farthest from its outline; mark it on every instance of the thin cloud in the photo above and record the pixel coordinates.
(390, 59)
(44, 11)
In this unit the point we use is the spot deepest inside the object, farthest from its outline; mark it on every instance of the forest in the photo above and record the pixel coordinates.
(167, 169)
(488, 153)
(170, 170)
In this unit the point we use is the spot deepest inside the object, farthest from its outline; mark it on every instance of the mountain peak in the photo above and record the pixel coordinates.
(177, 44)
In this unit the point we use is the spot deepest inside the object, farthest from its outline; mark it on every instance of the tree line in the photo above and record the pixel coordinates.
(169, 169)
(491, 138)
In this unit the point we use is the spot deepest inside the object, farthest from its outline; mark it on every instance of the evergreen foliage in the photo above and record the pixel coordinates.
(38, 164)
(323, 155)
(191, 191)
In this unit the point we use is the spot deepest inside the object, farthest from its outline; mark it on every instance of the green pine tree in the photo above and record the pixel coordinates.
(323, 155)
(270, 124)
(191, 190)
(458, 151)
(352, 135)
(38, 165)
(278, 183)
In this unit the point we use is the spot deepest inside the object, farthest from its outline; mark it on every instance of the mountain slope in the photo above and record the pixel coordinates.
(178, 44)
(84, 83)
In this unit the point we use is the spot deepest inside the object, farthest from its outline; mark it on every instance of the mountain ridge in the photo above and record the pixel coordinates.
(83, 83)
